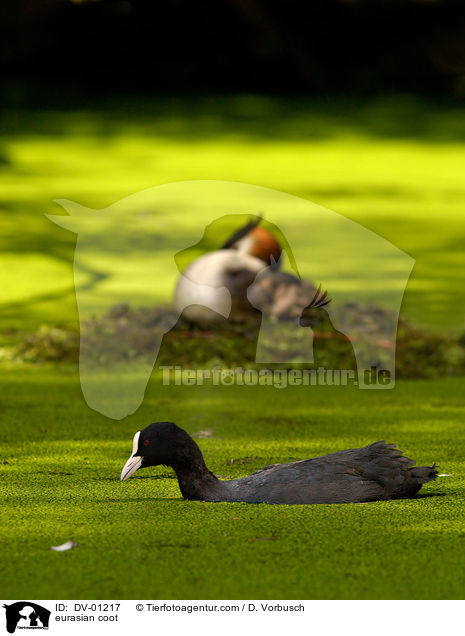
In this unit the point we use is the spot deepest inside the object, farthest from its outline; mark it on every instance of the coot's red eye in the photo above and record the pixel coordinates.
(146, 442)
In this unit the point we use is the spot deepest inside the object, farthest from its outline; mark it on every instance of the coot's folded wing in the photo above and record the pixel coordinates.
(377, 471)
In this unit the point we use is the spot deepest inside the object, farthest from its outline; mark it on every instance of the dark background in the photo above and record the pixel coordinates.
(275, 47)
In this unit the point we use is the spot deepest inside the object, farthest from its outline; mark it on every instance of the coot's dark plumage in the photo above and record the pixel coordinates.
(375, 472)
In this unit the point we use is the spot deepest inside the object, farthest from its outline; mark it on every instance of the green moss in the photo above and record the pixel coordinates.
(394, 165)
(59, 479)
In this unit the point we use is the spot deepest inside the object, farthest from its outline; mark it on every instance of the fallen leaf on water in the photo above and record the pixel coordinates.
(69, 545)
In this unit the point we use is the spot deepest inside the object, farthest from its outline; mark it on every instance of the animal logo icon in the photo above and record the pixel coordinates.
(131, 252)
(26, 615)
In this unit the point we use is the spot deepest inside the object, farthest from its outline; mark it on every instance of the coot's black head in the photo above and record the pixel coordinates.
(159, 443)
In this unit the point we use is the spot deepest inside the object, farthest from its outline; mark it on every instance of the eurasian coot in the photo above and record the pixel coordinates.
(375, 472)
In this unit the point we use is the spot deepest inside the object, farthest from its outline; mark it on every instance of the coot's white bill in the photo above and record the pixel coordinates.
(134, 461)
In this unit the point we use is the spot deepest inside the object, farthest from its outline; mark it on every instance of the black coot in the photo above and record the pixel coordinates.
(375, 472)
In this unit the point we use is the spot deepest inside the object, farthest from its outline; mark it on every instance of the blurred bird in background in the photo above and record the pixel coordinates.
(248, 265)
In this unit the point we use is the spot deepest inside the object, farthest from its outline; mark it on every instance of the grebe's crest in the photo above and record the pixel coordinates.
(320, 299)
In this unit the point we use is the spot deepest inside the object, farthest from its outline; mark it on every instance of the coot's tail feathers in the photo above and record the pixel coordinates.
(424, 474)
(414, 480)
(393, 471)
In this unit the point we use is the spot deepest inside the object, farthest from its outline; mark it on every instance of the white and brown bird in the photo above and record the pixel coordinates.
(244, 276)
